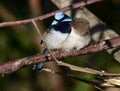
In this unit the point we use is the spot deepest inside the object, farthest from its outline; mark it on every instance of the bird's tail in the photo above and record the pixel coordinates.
(39, 66)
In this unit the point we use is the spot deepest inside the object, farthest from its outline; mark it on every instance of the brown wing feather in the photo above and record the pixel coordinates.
(81, 25)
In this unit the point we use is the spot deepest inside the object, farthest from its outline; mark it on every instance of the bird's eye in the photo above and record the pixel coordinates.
(63, 27)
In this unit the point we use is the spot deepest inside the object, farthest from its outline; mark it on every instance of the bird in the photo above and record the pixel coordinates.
(66, 34)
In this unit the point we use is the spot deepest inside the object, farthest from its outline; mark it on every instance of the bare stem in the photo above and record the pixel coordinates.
(99, 83)
(14, 65)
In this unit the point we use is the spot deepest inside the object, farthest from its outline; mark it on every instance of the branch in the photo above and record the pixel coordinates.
(101, 83)
(14, 65)
(73, 6)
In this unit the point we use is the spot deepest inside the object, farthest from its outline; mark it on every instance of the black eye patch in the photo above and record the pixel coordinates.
(63, 27)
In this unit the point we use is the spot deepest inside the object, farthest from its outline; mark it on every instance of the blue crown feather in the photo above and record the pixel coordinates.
(61, 17)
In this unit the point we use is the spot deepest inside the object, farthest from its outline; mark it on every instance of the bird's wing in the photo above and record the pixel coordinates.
(81, 25)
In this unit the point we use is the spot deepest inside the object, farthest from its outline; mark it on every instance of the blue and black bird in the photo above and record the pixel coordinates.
(66, 34)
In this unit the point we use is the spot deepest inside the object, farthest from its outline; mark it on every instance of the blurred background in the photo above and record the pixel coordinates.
(22, 40)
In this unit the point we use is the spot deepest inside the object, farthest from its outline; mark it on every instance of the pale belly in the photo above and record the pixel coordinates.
(75, 41)
(54, 39)
(67, 42)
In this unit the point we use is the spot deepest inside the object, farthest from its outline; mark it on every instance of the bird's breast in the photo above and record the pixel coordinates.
(75, 41)
(54, 39)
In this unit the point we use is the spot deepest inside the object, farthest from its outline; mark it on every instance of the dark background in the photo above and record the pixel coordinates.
(22, 40)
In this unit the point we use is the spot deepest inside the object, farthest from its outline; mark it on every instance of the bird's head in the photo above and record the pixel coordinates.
(61, 22)
(61, 17)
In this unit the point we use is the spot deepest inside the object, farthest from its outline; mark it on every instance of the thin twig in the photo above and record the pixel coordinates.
(73, 6)
(36, 27)
(86, 80)
(86, 70)
(43, 40)
(99, 83)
